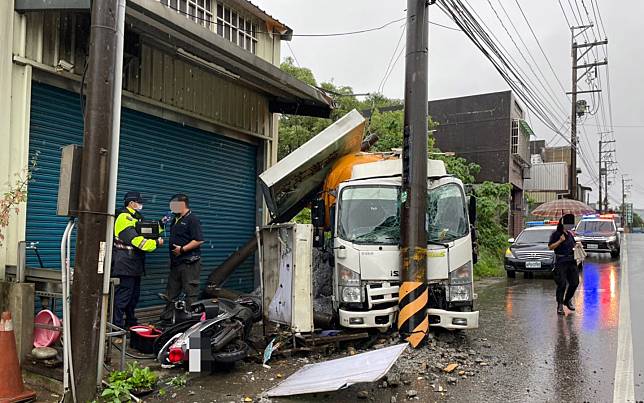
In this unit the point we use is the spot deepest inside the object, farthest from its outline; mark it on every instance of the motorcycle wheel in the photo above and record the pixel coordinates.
(235, 351)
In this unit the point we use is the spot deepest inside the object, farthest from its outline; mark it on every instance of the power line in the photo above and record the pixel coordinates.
(552, 92)
(293, 54)
(540, 47)
(391, 59)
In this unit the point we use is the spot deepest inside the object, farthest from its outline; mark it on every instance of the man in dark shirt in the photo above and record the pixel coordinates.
(186, 238)
(566, 273)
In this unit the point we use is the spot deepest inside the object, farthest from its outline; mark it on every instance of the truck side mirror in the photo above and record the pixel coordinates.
(472, 210)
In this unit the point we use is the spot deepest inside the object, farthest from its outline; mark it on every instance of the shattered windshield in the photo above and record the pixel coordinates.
(446, 214)
(371, 214)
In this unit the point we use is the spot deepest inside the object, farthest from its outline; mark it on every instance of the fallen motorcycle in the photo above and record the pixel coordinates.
(207, 333)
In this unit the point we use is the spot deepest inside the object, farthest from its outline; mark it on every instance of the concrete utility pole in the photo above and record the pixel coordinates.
(576, 111)
(599, 203)
(413, 323)
(93, 198)
(573, 126)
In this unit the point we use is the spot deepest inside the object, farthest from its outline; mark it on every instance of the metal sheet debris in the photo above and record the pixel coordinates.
(341, 373)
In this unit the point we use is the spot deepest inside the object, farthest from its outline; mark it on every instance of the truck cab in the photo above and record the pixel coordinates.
(366, 243)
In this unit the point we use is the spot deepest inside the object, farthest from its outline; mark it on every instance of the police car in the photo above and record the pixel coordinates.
(599, 234)
(529, 252)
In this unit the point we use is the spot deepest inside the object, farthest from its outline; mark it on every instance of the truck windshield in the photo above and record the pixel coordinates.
(446, 214)
(371, 214)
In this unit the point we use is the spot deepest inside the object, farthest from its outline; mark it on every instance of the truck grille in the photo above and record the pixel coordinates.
(532, 255)
(382, 293)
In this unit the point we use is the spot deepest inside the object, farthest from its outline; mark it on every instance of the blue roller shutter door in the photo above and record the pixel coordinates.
(158, 158)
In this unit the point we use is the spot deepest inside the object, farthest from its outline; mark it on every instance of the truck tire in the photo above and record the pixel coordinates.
(235, 351)
(511, 273)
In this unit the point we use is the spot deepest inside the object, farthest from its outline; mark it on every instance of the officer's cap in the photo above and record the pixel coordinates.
(133, 197)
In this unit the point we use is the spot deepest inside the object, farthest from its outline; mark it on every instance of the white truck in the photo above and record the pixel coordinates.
(356, 202)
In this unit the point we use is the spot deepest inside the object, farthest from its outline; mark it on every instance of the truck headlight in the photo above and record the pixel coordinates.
(460, 293)
(348, 277)
(351, 294)
(508, 253)
(462, 275)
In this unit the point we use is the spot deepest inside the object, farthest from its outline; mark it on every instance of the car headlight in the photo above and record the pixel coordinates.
(462, 275)
(348, 277)
(508, 253)
(460, 293)
(351, 294)
(612, 238)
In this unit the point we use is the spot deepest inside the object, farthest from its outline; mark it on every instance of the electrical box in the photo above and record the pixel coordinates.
(286, 256)
(69, 183)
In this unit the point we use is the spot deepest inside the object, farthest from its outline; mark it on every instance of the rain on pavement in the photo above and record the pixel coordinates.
(560, 359)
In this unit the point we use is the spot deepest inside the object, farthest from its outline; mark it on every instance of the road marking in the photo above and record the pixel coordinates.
(624, 390)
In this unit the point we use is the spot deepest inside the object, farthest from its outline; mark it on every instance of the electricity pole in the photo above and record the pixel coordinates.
(413, 323)
(599, 204)
(577, 110)
(603, 170)
(93, 199)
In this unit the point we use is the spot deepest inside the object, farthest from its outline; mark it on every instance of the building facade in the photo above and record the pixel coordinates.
(202, 94)
(489, 130)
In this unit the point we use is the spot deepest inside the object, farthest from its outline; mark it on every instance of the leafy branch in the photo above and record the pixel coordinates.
(16, 194)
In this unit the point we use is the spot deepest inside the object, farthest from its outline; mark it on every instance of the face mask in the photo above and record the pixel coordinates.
(138, 207)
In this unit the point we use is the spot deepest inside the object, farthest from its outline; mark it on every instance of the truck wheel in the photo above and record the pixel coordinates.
(511, 273)
(235, 351)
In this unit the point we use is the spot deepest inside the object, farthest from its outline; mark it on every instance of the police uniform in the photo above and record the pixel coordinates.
(128, 261)
(185, 268)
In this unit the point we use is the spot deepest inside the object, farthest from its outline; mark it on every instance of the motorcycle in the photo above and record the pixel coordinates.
(207, 333)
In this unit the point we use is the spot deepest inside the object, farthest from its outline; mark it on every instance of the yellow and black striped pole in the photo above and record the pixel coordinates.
(413, 323)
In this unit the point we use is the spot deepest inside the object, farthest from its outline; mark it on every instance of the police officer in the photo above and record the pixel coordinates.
(128, 259)
(186, 238)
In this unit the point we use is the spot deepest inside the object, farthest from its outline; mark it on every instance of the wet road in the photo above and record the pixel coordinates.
(544, 357)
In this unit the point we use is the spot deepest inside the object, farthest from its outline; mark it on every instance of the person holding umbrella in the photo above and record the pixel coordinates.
(566, 272)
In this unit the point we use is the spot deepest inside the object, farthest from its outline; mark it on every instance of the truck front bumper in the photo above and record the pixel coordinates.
(452, 319)
(382, 319)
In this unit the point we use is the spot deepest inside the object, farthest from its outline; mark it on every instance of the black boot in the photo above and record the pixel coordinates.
(560, 310)
(570, 305)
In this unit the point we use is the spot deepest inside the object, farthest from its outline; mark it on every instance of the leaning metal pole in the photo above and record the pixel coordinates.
(413, 323)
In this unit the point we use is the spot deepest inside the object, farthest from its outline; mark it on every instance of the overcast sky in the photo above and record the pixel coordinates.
(458, 68)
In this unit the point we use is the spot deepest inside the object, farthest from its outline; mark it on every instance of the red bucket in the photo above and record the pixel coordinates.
(142, 338)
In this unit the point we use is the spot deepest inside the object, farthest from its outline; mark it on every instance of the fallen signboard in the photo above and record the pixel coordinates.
(340, 373)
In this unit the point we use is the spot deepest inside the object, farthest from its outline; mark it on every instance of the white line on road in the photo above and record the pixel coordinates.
(624, 390)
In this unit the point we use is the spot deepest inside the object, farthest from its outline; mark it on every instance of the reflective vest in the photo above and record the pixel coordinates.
(130, 247)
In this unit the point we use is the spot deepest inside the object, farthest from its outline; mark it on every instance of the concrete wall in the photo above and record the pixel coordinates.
(477, 128)
(18, 298)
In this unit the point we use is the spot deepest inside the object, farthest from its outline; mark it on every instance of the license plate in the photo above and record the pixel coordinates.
(532, 265)
(592, 246)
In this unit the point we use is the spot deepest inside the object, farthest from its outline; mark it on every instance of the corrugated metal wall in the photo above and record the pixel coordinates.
(159, 158)
(550, 176)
